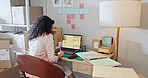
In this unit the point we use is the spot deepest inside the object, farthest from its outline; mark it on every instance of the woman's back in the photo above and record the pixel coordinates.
(38, 46)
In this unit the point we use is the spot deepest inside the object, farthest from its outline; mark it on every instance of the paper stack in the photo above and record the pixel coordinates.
(97, 59)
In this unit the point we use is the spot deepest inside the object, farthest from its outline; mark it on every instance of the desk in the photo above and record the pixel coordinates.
(83, 66)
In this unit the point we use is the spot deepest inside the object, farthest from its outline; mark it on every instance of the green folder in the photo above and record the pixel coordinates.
(77, 58)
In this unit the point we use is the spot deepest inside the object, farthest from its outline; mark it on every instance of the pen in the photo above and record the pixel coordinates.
(93, 58)
(60, 49)
(97, 58)
(102, 57)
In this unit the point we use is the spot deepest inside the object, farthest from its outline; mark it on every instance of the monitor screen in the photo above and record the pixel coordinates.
(72, 41)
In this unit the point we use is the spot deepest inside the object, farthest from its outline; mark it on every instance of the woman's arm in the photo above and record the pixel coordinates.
(60, 54)
(49, 44)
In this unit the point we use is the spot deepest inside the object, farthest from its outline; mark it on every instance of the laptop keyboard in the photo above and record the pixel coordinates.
(71, 50)
(67, 51)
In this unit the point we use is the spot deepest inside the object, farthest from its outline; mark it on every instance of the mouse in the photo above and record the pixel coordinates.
(72, 57)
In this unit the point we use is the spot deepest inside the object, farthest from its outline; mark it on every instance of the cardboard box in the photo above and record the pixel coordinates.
(20, 42)
(6, 36)
(18, 2)
(19, 14)
(4, 44)
(5, 54)
(5, 61)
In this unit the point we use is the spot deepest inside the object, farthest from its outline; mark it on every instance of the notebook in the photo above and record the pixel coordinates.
(96, 59)
(71, 43)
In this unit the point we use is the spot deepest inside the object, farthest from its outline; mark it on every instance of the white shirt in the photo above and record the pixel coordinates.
(43, 47)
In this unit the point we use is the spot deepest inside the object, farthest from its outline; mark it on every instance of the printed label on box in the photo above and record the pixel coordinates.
(4, 54)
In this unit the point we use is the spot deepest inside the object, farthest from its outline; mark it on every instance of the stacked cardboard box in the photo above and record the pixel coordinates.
(8, 68)
(20, 42)
(5, 54)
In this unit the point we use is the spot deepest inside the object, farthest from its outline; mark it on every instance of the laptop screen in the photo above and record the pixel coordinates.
(72, 41)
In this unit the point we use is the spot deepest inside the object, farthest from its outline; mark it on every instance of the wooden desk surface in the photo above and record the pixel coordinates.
(74, 60)
(83, 66)
(78, 61)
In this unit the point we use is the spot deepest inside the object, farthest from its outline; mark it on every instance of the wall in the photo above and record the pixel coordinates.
(5, 16)
(89, 27)
(133, 50)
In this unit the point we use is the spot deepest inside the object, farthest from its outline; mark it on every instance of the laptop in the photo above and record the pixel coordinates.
(71, 43)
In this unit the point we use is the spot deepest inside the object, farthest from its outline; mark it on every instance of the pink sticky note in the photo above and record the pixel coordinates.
(81, 16)
(81, 5)
(68, 16)
(68, 21)
(73, 26)
(72, 16)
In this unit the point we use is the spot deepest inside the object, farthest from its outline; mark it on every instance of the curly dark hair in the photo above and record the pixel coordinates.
(41, 26)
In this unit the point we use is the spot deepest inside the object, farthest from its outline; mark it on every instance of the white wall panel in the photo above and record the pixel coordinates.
(5, 11)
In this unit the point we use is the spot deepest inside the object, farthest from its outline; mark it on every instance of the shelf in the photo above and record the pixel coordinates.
(14, 25)
(26, 13)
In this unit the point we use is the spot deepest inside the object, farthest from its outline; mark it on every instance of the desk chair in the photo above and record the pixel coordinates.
(38, 67)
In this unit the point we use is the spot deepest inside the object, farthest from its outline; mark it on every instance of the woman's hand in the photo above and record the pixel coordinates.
(60, 54)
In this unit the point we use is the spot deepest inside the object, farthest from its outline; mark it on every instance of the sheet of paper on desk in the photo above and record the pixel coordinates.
(89, 55)
(100, 61)
(104, 62)
(113, 72)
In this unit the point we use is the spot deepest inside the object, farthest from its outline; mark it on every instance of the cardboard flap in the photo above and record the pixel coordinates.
(4, 44)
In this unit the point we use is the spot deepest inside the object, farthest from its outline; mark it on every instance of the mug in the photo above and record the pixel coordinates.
(83, 48)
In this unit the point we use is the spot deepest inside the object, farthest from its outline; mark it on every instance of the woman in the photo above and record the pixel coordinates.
(41, 43)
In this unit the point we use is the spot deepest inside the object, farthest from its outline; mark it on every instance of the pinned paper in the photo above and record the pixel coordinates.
(72, 11)
(4, 54)
(81, 16)
(81, 6)
(60, 11)
(68, 21)
(72, 16)
(76, 11)
(68, 16)
(64, 11)
(57, 3)
(81, 11)
(67, 3)
(68, 11)
(85, 11)
(73, 26)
